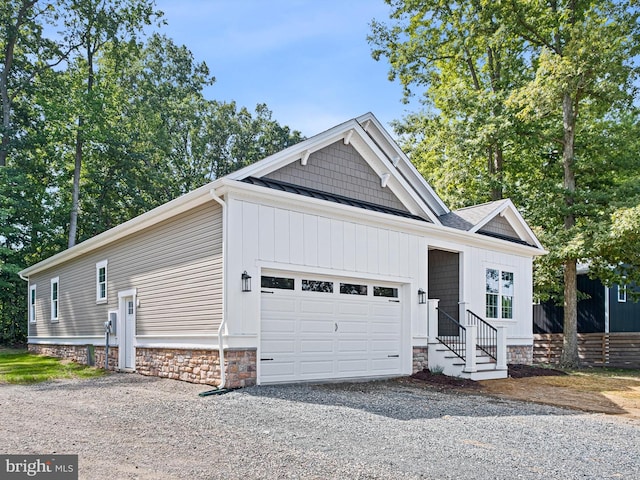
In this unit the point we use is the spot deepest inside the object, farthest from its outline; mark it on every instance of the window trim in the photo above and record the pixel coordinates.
(32, 303)
(100, 265)
(55, 302)
(622, 293)
(499, 295)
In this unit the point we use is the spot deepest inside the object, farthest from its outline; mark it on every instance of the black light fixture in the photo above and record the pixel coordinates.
(246, 282)
(422, 296)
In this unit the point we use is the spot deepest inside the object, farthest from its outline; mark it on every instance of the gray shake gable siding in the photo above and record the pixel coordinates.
(339, 169)
(499, 226)
(175, 265)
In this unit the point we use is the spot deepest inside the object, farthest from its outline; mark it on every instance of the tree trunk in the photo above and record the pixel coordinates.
(570, 356)
(496, 162)
(75, 201)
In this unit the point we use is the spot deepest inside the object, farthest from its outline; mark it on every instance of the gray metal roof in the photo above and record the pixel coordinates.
(330, 197)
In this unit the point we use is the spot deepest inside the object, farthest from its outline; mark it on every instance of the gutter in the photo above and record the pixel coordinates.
(223, 323)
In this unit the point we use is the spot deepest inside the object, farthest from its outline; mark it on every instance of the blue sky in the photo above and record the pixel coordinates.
(308, 60)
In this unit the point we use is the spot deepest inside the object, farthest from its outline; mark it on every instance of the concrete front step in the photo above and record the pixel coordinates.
(485, 375)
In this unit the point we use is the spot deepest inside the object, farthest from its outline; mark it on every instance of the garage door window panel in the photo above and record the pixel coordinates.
(281, 283)
(317, 286)
(388, 292)
(353, 289)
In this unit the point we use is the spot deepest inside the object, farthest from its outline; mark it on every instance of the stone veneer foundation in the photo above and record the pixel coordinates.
(420, 359)
(198, 366)
(195, 366)
(203, 366)
(522, 354)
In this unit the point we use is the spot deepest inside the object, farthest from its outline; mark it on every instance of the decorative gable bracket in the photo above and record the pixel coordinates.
(305, 157)
(384, 179)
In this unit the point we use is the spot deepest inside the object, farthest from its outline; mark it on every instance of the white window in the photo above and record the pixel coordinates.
(101, 282)
(622, 293)
(32, 304)
(499, 294)
(55, 294)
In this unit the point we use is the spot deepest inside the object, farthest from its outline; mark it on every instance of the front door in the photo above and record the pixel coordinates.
(127, 356)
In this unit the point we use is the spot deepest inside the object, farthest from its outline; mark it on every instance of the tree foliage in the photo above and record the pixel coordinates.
(131, 108)
(534, 100)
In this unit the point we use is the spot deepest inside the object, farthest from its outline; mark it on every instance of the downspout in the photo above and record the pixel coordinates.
(223, 376)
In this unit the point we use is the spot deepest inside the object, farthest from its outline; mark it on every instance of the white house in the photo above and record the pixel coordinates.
(330, 259)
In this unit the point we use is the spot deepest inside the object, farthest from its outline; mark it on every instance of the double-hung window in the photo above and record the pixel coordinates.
(622, 293)
(55, 295)
(101, 282)
(32, 304)
(499, 294)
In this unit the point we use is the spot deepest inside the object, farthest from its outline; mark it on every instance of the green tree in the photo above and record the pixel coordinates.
(566, 75)
(460, 54)
(96, 24)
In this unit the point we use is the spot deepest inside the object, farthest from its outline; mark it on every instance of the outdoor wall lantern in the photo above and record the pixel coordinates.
(246, 282)
(422, 296)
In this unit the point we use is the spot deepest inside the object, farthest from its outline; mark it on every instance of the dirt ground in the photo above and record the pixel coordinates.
(614, 393)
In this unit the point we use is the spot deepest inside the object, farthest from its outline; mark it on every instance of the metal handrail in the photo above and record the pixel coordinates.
(487, 335)
(456, 343)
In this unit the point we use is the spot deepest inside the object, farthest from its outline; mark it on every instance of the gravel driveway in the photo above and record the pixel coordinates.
(128, 426)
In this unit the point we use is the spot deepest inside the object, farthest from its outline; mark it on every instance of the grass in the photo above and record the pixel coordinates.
(20, 367)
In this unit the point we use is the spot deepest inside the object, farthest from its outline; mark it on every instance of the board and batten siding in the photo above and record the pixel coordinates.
(286, 236)
(176, 267)
(477, 260)
(282, 238)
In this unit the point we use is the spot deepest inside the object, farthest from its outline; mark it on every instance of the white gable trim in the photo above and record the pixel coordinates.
(399, 159)
(508, 211)
(351, 133)
(300, 151)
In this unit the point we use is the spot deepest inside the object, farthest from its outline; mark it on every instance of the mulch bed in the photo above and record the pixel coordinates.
(444, 381)
(515, 371)
(522, 371)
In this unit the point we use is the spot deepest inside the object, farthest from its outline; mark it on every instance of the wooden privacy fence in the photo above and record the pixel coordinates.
(595, 349)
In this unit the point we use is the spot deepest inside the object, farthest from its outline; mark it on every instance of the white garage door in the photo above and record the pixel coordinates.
(315, 328)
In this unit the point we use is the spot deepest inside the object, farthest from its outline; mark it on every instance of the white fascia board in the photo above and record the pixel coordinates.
(136, 224)
(509, 211)
(293, 153)
(404, 165)
(291, 201)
